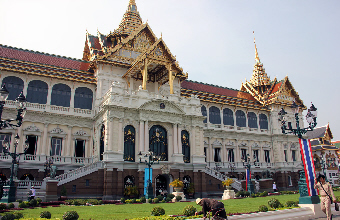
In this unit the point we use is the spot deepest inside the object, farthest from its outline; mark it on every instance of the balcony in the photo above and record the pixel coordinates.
(57, 160)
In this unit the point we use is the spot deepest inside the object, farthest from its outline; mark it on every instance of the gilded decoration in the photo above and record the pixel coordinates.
(185, 146)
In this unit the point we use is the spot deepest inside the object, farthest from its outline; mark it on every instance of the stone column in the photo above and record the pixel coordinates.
(24, 90)
(69, 146)
(221, 115)
(72, 97)
(110, 138)
(174, 133)
(44, 146)
(209, 151)
(120, 136)
(179, 138)
(141, 136)
(224, 153)
(49, 94)
(11, 145)
(146, 135)
(258, 121)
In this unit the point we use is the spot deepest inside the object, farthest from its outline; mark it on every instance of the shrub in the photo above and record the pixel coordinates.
(18, 215)
(168, 199)
(33, 203)
(290, 204)
(150, 200)
(264, 193)
(263, 208)
(178, 198)
(246, 193)
(70, 215)
(239, 193)
(24, 205)
(163, 201)
(160, 197)
(8, 216)
(133, 200)
(45, 214)
(128, 201)
(253, 195)
(75, 202)
(157, 211)
(100, 202)
(3, 206)
(92, 201)
(171, 196)
(10, 206)
(122, 200)
(274, 203)
(138, 201)
(156, 200)
(19, 200)
(143, 199)
(189, 210)
(39, 200)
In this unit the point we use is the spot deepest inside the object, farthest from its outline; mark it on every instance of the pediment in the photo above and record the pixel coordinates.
(162, 106)
(287, 93)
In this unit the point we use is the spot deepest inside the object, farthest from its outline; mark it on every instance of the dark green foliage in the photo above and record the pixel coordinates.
(39, 200)
(18, 215)
(24, 204)
(10, 206)
(189, 210)
(239, 193)
(163, 201)
(157, 211)
(290, 204)
(143, 199)
(8, 216)
(168, 199)
(156, 200)
(133, 200)
(19, 200)
(264, 193)
(160, 197)
(178, 198)
(3, 206)
(171, 196)
(70, 215)
(246, 194)
(122, 200)
(45, 214)
(263, 208)
(33, 203)
(150, 200)
(274, 203)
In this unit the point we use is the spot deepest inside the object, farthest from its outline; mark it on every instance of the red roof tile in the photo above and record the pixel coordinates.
(187, 84)
(43, 58)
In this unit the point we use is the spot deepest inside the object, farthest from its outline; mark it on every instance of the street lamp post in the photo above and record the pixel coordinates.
(247, 164)
(311, 120)
(152, 159)
(10, 191)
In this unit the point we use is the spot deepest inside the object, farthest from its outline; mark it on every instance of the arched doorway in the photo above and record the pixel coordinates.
(162, 184)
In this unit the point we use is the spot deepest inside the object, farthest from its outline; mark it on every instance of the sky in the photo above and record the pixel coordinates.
(212, 39)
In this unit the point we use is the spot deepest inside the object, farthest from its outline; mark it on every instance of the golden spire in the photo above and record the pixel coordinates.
(131, 19)
(257, 58)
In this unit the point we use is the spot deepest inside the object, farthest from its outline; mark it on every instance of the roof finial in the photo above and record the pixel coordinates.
(257, 58)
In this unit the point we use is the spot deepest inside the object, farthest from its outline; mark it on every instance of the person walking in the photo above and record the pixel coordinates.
(274, 187)
(326, 191)
(32, 193)
(211, 205)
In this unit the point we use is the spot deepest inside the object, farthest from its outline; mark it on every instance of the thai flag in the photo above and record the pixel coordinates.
(308, 164)
(248, 178)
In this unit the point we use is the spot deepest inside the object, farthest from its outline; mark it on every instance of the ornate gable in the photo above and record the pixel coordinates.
(162, 106)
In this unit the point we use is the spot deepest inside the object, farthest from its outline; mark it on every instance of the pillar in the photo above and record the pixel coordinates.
(179, 140)
(146, 135)
(120, 136)
(69, 146)
(44, 145)
(224, 153)
(141, 136)
(175, 138)
(49, 93)
(110, 138)
(145, 73)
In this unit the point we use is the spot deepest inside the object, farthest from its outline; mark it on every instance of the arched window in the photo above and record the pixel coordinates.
(14, 86)
(204, 112)
(240, 119)
(228, 117)
(83, 98)
(263, 121)
(252, 120)
(185, 146)
(158, 142)
(61, 95)
(37, 92)
(129, 143)
(214, 115)
(102, 142)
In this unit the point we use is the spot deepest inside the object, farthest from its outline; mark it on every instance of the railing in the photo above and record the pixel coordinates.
(53, 108)
(80, 172)
(29, 183)
(55, 159)
(220, 176)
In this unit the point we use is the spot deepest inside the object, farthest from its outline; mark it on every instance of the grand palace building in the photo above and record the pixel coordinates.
(129, 95)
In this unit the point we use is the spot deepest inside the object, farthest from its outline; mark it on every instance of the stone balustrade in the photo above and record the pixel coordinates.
(56, 159)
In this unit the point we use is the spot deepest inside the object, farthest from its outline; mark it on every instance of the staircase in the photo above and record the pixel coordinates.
(79, 172)
(220, 176)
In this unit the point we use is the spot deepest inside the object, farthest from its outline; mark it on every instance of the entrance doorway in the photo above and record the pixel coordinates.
(32, 144)
(162, 184)
(80, 148)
